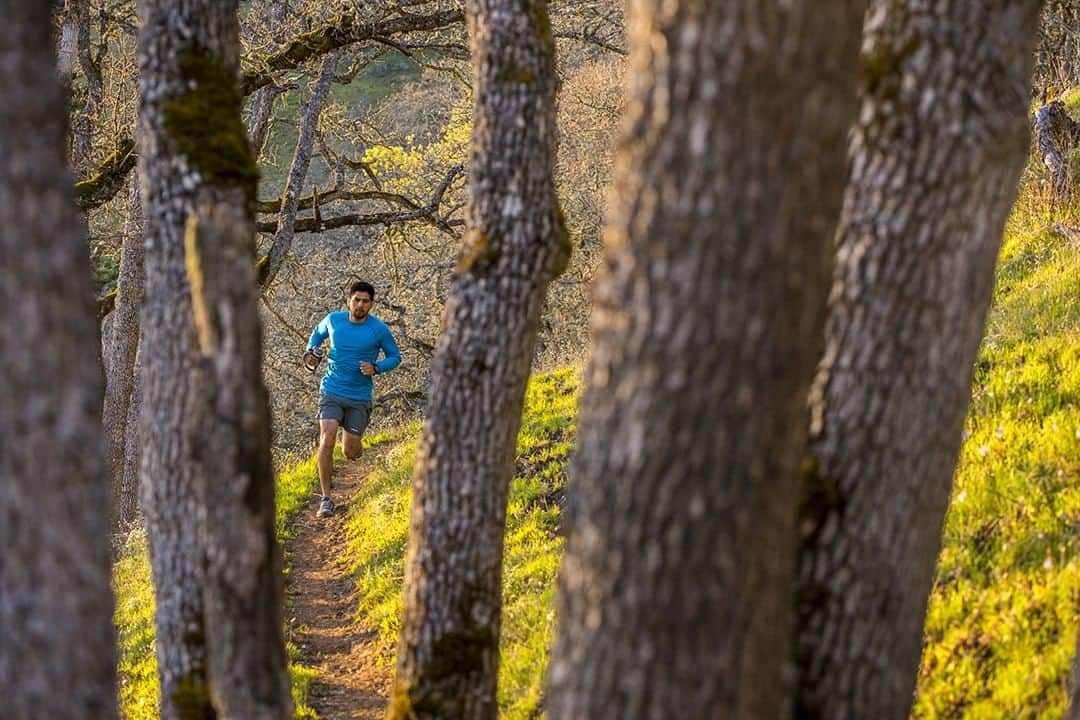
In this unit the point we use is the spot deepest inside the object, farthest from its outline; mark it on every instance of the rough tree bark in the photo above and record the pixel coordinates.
(58, 656)
(1056, 135)
(515, 245)
(675, 590)
(121, 346)
(167, 381)
(244, 582)
(207, 462)
(941, 139)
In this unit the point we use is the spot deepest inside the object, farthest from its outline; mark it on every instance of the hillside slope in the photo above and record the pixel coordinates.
(1002, 622)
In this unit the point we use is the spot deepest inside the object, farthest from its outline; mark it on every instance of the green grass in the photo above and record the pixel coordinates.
(379, 524)
(137, 669)
(1002, 621)
(1001, 628)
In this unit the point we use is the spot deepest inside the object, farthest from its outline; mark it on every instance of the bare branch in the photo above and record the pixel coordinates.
(301, 160)
(111, 176)
(426, 213)
(591, 37)
(346, 31)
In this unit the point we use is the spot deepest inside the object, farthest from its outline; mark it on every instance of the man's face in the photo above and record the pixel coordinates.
(359, 305)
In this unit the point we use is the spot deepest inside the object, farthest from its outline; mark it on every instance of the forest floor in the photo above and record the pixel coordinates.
(321, 606)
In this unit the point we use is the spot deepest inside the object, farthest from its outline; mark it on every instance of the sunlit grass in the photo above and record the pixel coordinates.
(379, 525)
(1002, 622)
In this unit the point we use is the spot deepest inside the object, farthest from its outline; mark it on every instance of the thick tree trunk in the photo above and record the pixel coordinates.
(199, 185)
(936, 154)
(120, 350)
(674, 596)
(167, 473)
(244, 597)
(58, 656)
(515, 245)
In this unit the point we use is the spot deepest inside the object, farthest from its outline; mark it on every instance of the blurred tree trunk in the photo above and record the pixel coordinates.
(943, 126)
(515, 245)
(206, 465)
(120, 345)
(674, 595)
(58, 657)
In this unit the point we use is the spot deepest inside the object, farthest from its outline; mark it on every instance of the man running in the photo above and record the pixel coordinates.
(356, 337)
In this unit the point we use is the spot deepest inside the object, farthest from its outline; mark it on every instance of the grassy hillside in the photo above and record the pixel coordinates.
(1002, 621)
(379, 524)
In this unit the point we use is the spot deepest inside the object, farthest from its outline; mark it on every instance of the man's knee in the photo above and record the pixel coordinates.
(327, 438)
(351, 446)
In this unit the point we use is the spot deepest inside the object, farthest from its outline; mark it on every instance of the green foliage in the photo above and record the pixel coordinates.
(139, 692)
(1001, 627)
(379, 525)
(105, 270)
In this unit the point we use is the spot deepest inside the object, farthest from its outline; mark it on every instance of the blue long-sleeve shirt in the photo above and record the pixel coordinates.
(350, 344)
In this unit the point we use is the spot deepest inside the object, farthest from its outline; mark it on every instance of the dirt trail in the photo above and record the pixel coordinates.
(322, 608)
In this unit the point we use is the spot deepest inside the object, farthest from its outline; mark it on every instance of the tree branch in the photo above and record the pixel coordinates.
(348, 30)
(111, 176)
(427, 212)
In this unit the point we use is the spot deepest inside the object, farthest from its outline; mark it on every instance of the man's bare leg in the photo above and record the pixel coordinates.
(327, 438)
(350, 444)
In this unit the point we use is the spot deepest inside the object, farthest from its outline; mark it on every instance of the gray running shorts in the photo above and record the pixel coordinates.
(352, 415)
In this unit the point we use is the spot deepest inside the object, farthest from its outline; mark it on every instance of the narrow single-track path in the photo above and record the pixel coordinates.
(322, 610)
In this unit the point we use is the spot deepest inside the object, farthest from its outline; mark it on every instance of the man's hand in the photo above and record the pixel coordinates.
(311, 359)
(367, 368)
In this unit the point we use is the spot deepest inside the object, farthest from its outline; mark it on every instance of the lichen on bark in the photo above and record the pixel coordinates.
(206, 124)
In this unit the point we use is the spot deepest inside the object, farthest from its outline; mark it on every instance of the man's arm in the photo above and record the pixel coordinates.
(319, 334)
(392, 356)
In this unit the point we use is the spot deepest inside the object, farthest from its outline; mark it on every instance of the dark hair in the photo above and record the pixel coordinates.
(361, 286)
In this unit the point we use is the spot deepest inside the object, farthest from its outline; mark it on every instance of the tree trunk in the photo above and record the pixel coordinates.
(120, 350)
(1073, 712)
(58, 657)
(309, 122)
(675, 590)
(936, 154)
(245, 594)
(1058, 53)
(515, 245)
(200, 181)
(83, 127)
(1056, 135)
